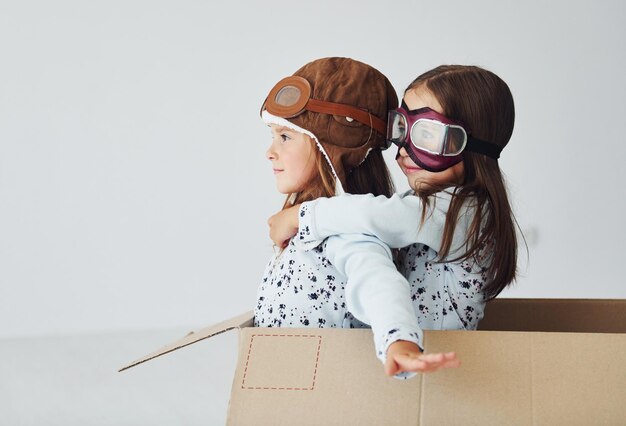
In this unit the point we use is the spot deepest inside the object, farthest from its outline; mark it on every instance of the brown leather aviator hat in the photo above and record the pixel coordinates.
(339, 102)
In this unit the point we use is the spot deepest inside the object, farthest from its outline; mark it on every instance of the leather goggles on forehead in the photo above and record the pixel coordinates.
(432, 140)
(291, 96)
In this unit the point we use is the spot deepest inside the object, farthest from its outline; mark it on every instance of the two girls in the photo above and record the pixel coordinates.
(455, 228)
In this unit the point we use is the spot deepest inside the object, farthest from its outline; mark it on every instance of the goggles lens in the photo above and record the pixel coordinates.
(396, 127)
(426, 132)
(288, 96)
(438, 138)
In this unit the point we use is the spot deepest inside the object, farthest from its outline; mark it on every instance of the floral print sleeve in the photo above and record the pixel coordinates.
(305, 239)
(393, 335)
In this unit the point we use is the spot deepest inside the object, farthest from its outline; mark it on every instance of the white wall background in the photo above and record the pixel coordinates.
(134, 191)
(133, 185)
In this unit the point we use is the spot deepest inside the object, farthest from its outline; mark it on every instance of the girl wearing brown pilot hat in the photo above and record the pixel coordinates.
(328, 123)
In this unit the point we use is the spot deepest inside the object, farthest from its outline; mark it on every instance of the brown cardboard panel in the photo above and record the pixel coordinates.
(317, 377)
(492, 386)
(243, 320)
(527, 378)
(559, 315)
(579, 378)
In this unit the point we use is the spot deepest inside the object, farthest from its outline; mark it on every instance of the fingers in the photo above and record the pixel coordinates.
(440, 358)
(391, 367)
(434, 362)
(281, 228)
(423, 363)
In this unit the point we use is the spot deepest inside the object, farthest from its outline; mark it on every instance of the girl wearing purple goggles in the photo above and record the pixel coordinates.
(455, 228)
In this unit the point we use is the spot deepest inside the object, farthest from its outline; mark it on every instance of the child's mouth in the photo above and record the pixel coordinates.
(411, 169)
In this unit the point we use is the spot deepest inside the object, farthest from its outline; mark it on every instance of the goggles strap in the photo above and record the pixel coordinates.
(360, 115)
(480, 146)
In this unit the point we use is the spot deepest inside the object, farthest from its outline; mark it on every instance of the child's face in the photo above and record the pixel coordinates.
(292, 157)
(418, 178)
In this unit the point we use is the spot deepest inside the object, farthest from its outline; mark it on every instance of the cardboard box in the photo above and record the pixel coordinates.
(533, 361)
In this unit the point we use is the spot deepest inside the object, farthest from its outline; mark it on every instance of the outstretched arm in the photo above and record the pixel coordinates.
(378, 295)
(395, 220)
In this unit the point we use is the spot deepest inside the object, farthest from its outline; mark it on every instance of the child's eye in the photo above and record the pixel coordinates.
(426, 134)
(284, 137)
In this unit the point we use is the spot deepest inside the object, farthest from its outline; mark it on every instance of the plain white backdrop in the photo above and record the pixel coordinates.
(134, 189)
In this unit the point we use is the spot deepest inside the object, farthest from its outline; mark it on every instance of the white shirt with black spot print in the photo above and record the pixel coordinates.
(302, 289)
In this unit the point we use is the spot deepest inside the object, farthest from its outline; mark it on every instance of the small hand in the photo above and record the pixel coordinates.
(407, 356)
(284, 225)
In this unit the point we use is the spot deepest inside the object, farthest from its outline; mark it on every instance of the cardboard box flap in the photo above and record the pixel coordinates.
(555, 315)
(243, 320)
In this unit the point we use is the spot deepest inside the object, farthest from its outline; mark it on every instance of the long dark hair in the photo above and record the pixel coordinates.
(483, 102)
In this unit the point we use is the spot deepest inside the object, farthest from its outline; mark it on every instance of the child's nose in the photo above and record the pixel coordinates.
(402, 152)
(270, 154)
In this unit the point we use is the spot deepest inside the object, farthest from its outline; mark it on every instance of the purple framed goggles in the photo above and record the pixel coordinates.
(433, 141)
